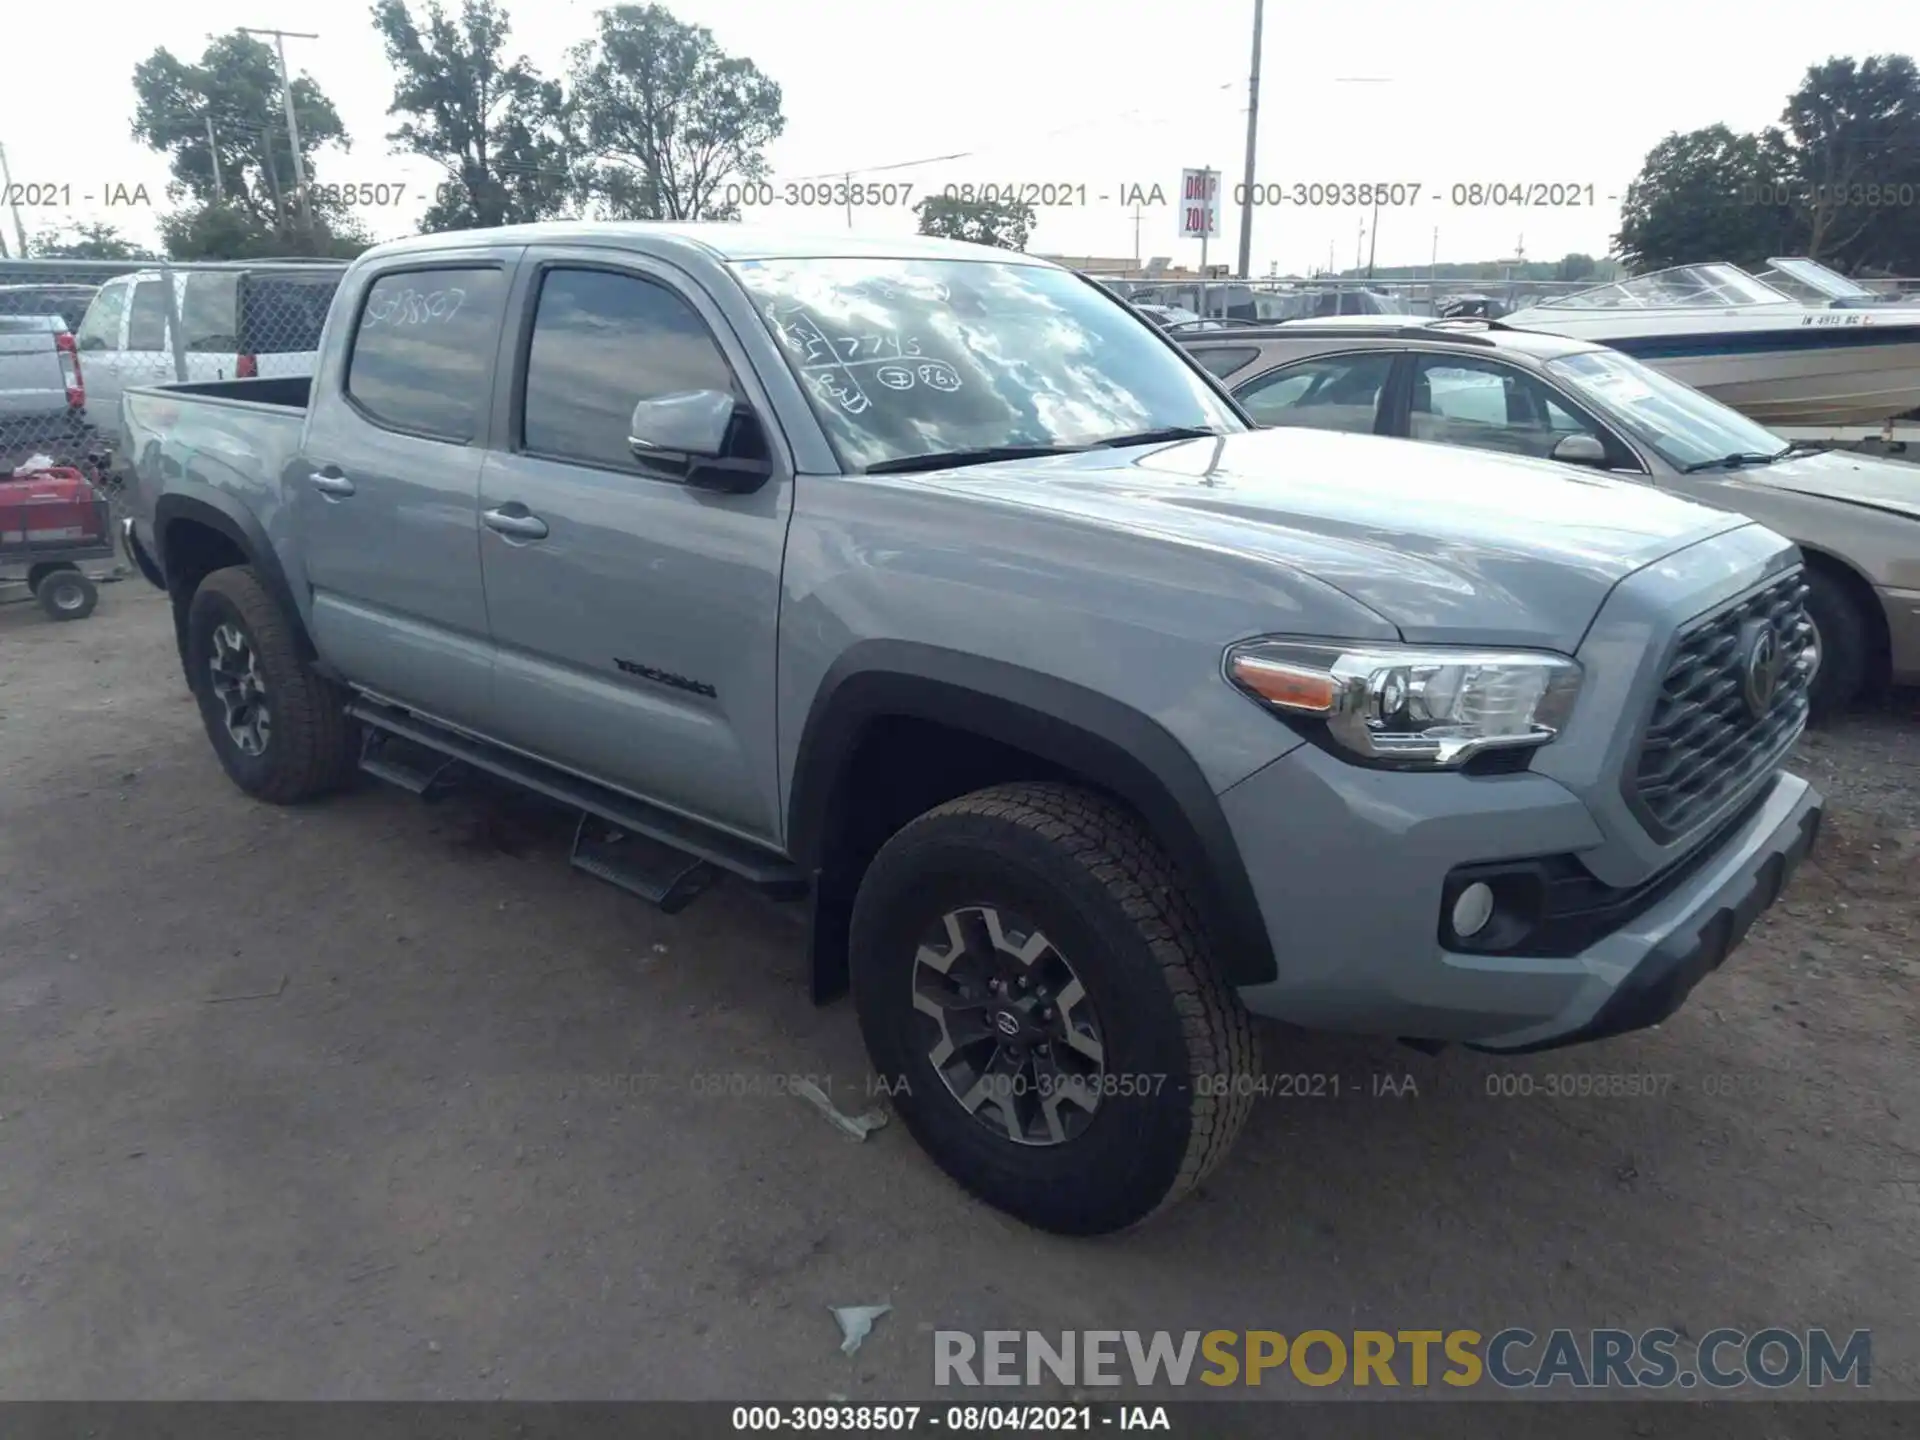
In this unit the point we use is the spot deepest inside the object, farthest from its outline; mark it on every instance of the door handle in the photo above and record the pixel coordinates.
(330, 484)
(514, 522)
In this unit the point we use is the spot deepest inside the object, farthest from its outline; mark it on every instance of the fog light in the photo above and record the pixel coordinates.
(1472, 910)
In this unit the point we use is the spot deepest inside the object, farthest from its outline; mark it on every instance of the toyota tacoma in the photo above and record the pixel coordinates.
(932, 586)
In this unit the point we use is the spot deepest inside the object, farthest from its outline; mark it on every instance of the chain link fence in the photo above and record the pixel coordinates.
(76, 334)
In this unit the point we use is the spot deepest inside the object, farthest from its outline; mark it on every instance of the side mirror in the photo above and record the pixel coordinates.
(1580, 449)
(692, 423)
(700, 436)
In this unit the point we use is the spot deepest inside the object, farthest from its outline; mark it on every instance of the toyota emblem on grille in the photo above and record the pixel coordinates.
(1760, 667)
(1006, 1024)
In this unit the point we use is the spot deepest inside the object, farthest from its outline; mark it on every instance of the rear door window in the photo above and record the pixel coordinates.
(1328, 392)
(147, 330)
(423, 350)
(101, 329)
(207, 313)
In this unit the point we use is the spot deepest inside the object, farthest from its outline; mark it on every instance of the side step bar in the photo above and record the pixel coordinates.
(412, 766)
(642, 848)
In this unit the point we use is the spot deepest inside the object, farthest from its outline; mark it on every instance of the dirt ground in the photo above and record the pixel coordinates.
(379, 1099)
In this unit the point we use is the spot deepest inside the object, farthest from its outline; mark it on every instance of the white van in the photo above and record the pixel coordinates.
(238, 320)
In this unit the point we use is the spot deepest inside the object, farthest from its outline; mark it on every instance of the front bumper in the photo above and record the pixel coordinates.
(1349, 866)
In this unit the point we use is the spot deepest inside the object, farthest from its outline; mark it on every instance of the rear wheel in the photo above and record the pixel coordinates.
(1840, 630)
(66, 594)
(280, 731)
(1033, 987)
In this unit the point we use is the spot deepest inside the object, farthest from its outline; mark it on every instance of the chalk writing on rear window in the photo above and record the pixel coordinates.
(414, 307)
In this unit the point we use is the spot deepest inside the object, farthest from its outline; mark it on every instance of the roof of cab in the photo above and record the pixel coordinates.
(719, 240)
(1459, 330)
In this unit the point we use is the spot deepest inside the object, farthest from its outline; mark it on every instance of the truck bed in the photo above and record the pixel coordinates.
(216, 437)
(281, 392)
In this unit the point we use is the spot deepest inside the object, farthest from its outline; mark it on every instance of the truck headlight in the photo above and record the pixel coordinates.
(1427, 707)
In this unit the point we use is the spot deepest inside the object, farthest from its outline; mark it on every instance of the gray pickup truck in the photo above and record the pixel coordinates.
(932, 585)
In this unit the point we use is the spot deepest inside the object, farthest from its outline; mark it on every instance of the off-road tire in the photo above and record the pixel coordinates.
(66, 594)
(311, 746)
(1843, 647)
(1092, 877)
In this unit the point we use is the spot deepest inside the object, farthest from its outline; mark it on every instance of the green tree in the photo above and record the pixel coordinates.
(93, 241)
(227, 231)
(1575, 266)
(232, 93)
(1848, 138)
(664, 118)
(1704, 195)
(491, 123)
(985, 222)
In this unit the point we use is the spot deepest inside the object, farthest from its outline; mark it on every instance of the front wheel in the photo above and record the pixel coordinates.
(1034, 990)
(280, 731)
(1840, 632)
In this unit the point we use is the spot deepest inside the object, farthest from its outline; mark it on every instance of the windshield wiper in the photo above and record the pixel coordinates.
(1155, 437)
(986, 455)
(1736, 461)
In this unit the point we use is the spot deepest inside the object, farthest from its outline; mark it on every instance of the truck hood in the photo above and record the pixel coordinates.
(1448, 545)
(1860, 479)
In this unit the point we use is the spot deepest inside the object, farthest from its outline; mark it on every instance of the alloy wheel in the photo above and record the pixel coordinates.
(238, 686)
(1008, 1025)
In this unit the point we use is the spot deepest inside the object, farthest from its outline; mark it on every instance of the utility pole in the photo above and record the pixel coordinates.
(280, 38)
(213, 159)
(1136, 238)
(13, 202)
(848, 177)
(1253, 136)
(1373, 238)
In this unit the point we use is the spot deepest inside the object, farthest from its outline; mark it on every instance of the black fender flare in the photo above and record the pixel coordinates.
(1107, 743)
(224, 514)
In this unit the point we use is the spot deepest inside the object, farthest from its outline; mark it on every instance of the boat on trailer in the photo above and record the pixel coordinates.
(1809, 358)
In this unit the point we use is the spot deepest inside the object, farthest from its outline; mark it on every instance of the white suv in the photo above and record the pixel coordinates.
(236, 321)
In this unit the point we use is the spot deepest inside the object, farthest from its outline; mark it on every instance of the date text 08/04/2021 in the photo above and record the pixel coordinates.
(958, 1419)
(1069, 193)
(1500, 1084)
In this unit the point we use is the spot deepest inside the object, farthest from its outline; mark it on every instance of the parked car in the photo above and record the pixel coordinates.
(252, 319)
(1481, 307)
(1483, 385)
(69, 302)
(927, 582)
(42, 393)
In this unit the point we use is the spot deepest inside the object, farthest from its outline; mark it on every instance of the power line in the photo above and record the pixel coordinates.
(1024, 140)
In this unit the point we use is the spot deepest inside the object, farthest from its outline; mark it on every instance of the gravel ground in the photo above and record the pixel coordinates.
(351, 1101)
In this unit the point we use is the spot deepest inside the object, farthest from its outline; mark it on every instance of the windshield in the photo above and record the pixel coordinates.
(1713, 286)
(901, 358)
(1812, 278)
(1677, 422)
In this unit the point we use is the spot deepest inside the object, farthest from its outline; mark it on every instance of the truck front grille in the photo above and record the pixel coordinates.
(1715, 726)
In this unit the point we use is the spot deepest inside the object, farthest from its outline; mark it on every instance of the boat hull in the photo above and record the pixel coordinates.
(1857, 385)
(1823, 368)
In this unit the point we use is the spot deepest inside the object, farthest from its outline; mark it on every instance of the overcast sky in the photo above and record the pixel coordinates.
(1052, 91)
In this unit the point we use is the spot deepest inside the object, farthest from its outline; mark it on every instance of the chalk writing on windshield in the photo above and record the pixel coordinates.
(833, 364)
(414, 307)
